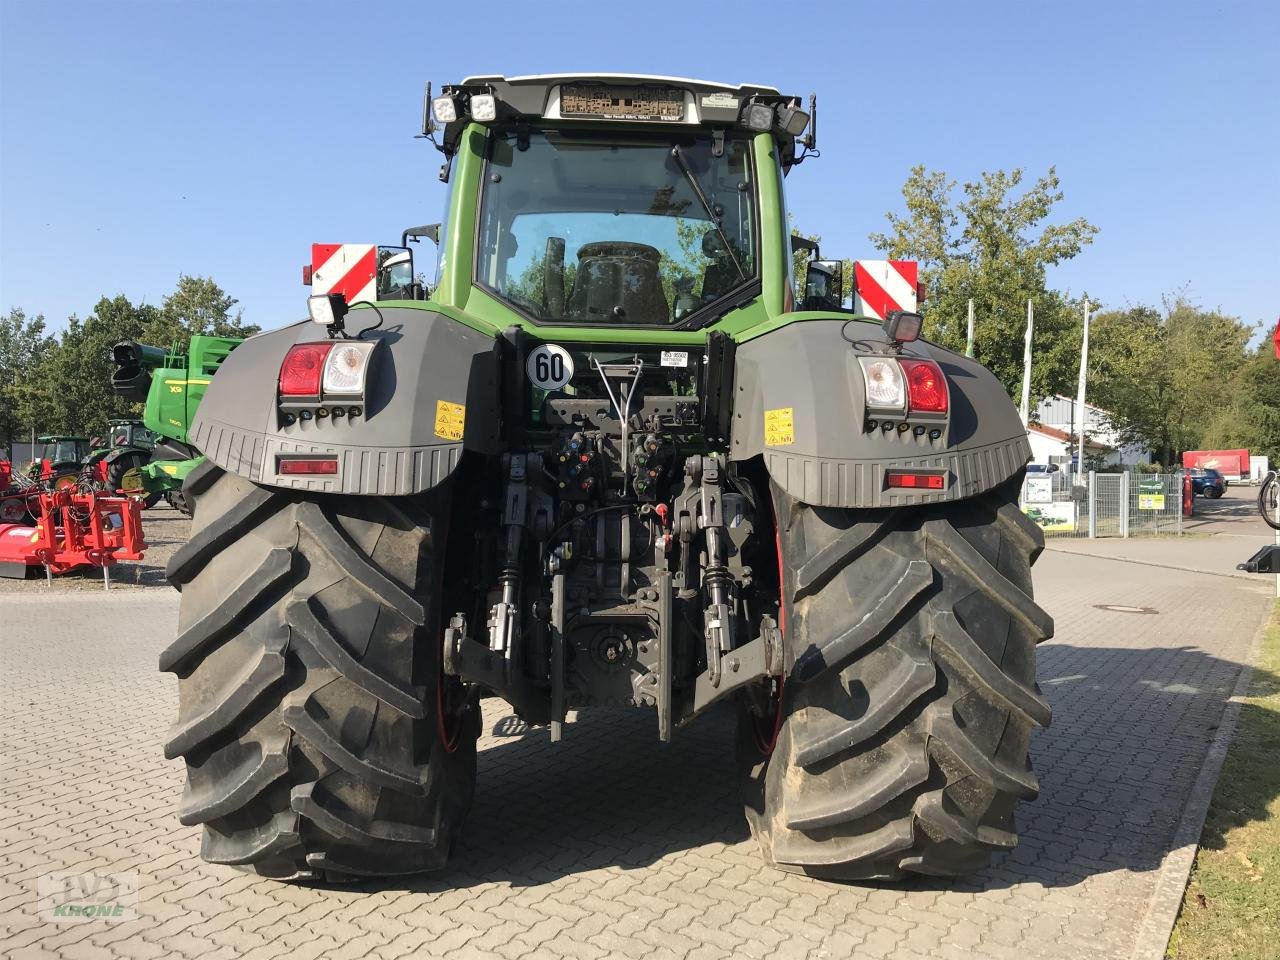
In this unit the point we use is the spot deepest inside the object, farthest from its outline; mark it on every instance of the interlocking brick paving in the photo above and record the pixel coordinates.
(613, 844)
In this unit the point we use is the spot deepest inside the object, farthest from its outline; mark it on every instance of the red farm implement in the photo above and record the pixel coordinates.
(72, 530)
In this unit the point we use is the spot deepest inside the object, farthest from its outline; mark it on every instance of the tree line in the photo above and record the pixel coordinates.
(61, 383)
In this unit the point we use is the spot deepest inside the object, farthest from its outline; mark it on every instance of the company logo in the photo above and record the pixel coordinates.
(88, 897)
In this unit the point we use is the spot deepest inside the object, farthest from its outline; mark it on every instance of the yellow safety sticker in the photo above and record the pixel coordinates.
(779, 427)
(449, 419)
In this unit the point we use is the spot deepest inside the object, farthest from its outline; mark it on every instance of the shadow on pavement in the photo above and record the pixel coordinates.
(1235, 510)
(1131, 728)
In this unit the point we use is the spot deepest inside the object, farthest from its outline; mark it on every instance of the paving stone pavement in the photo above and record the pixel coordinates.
(612, 844)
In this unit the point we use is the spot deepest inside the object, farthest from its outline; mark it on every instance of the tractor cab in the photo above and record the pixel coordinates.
(61, 452)
(604, 202)
(58, 459)
(122, 434)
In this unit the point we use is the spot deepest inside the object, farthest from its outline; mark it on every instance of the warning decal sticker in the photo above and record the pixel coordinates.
(779, 427)
(449, 418)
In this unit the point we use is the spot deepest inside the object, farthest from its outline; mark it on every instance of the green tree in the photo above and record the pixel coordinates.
(65, 385)
(1170, 380)
(197, 306)
(70, 387)
(993, 245)
(1248, 414)
(23, 343)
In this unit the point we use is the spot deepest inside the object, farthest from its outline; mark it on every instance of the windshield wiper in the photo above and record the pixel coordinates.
(678, 156)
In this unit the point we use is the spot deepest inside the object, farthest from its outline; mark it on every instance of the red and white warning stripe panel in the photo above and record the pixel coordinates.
(350, 269)
(883, 285)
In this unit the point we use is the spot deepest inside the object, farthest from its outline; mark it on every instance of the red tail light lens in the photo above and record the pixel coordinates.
(323, 466)
(926, 386)
(916, 481)
(302, 369)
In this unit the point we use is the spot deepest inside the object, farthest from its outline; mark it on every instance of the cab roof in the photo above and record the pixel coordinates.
(535, 95)
(551, 79)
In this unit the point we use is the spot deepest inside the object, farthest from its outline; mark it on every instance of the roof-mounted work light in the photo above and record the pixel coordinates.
(757, 117)
(791, 120)
(484, 107)
(445, 109)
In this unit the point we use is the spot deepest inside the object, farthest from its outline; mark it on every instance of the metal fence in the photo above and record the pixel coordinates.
(1106, 505)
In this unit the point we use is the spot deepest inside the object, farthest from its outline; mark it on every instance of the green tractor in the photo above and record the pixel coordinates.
(117, 460)
(615, 459)
(58, 459)
(171, 385)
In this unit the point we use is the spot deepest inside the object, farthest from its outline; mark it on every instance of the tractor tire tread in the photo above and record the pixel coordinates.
(303, 685)
(911, 696)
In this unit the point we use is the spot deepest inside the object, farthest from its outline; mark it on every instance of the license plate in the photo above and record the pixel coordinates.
(622, 103)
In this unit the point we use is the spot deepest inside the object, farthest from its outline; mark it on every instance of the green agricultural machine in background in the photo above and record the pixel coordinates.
(171, 385)
(616, 459)
(58, 459)
(116, 461)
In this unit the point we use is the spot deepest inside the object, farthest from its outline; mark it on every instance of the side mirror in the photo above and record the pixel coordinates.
(395, 273)
(823, 285)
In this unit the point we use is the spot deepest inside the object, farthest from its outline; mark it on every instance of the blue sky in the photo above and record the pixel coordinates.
(142, 139)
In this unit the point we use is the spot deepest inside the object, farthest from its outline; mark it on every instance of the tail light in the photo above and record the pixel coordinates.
(926, 386)
(307, 466)
(303, 369)
(916, 480)
(898, 384)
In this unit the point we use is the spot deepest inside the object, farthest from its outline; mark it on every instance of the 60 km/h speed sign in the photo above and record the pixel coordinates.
(549, 366)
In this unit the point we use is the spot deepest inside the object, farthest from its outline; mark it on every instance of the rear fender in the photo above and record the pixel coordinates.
(806, 375)
(425, 368)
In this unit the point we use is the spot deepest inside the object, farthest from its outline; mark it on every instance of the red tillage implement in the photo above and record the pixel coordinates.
(73, 530)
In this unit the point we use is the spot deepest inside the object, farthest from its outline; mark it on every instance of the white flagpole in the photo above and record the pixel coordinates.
(1084, 369)
(1025, 409)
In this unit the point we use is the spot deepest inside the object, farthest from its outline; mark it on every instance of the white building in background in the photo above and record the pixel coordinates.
(1052, 431)
(1051, 445)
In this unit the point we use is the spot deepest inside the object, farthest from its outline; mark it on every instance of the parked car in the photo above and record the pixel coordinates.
(1207, 482)
(1041, 469)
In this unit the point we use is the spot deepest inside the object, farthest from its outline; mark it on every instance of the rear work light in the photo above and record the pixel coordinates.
(926, 386)
(347, 367)
(884, 383)
(308, 466)
(303, 369)
(906, 480)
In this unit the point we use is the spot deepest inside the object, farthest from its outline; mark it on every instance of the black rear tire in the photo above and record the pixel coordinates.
(117, 479)
(178, 500)
(910, 697)
(308, 660)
